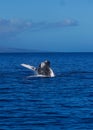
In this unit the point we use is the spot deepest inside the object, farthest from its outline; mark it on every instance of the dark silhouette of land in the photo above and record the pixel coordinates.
(16, 50)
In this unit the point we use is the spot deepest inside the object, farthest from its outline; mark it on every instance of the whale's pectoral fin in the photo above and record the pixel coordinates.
(29, 67)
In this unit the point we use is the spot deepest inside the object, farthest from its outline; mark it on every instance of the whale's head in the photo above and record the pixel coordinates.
(44, 68)
(45, 64)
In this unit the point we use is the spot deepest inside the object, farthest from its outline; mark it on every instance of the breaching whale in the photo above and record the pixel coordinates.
(43, 70)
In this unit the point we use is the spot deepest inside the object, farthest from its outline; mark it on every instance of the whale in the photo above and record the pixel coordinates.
(43, 70)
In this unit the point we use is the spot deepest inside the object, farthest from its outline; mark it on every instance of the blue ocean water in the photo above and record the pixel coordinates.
(64, 102)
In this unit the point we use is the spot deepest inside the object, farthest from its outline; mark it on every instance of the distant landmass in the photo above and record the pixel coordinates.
(15, 50)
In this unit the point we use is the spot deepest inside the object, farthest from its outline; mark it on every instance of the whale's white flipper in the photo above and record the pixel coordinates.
(29, 67)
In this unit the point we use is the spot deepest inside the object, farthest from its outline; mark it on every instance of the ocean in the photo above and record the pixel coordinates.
(64, 102)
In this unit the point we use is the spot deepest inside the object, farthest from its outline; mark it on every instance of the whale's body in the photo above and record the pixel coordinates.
(37, 74)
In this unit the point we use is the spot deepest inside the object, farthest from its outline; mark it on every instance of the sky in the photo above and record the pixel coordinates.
(47, 25)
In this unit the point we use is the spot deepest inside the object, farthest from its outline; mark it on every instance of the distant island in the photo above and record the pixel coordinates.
(16, 50)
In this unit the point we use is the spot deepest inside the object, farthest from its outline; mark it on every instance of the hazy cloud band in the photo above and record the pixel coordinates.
(12, 26)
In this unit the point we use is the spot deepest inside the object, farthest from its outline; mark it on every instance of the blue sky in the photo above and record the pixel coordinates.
(48, 25)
